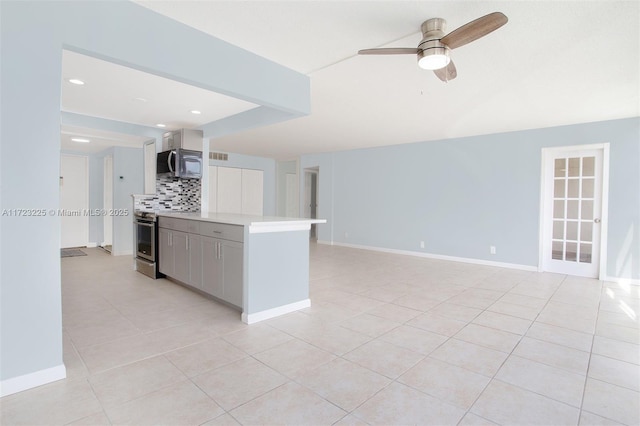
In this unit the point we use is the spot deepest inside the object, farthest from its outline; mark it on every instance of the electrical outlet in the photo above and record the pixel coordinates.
(421, 244)
(492, 249)
(346, 235)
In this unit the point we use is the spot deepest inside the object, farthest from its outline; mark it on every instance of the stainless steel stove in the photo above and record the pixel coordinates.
(146, 243)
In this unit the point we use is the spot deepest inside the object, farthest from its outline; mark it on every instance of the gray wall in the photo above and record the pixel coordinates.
(33, 35)
(462, 195)
(128, 178)
(276, 269)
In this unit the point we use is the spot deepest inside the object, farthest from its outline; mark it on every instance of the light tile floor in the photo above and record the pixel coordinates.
(389, 339)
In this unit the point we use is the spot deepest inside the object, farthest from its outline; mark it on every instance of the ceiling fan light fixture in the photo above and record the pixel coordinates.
(434, 58)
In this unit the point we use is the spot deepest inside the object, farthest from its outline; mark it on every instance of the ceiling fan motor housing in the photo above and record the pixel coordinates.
(433, 54)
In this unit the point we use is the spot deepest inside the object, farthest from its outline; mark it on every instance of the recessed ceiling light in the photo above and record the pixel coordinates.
(141, 99)
(195, 111)
(76, 81)
(161, 125)
(81, 140)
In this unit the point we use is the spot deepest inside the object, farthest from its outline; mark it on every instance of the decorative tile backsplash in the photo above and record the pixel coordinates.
(172, 194)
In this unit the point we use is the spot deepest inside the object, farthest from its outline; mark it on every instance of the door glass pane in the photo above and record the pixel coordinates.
(574, 167)
(572, 209)
(585, 253)
(573, 188)
(588, 166)
(556, 250)
(558, 229)
(558, 188)
(586, 230)
(572, 231)
(575, 195)
(558, 209)
(572, 252)
(587, 209)
(587, 188)
(559, 168)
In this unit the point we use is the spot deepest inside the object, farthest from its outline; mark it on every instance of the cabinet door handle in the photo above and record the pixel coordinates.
(170, 239)
(186, 243)
(219, 250)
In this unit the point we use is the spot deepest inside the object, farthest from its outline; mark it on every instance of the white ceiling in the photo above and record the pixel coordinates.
(546, 67)
(99, 140)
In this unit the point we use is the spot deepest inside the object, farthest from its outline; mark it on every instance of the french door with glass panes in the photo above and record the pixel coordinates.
(572, 211)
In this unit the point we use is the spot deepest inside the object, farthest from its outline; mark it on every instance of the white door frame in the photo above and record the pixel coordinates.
(544, 226)
(308, 190)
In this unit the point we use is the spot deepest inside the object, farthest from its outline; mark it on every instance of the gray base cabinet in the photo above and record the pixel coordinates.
(231, 254)
(222, 273)
(174, 254)
(165, 252)
(212, 268)
(195, 260)
(181, 257)
(205, 255)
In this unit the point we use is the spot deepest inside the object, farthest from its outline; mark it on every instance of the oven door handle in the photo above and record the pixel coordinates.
(150, 225)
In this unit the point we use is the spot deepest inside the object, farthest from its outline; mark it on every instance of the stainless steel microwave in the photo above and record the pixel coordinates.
(180, 163)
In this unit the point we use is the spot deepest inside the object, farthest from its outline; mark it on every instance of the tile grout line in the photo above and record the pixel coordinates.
(586, 379)
(493, 377)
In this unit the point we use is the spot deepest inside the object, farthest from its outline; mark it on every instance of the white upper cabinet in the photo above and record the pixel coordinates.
(229, 190)
(234, 190)
(252, 191)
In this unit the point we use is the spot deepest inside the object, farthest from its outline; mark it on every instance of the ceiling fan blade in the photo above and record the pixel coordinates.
(447, 73)
(389, 51)
(474, 30)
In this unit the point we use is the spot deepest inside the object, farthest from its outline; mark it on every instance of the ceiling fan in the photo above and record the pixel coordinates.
(433, 49)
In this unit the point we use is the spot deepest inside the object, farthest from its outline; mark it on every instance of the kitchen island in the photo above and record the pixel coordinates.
(259, 264)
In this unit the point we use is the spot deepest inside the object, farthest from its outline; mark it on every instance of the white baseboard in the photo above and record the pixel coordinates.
(92, 245)
(627, 281)
(31, 380)
(275, 312)
(440, 257)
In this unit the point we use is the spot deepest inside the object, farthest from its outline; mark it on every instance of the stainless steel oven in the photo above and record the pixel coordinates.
(146, 243)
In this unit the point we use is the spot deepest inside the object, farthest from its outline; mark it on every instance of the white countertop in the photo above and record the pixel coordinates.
(256, 224)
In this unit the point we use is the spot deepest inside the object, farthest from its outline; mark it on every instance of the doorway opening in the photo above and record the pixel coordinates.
(107, 243)
(311, 177)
